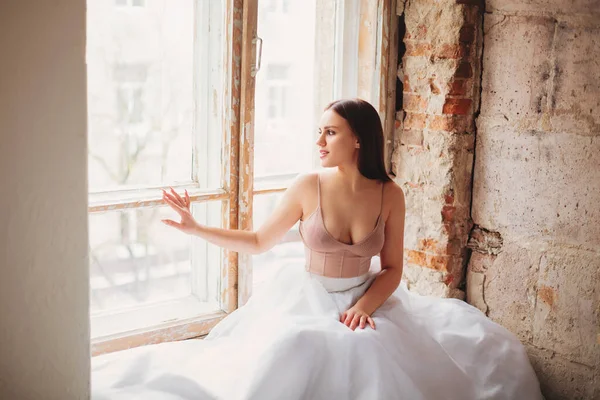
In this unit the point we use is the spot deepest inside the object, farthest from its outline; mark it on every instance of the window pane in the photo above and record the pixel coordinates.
(141, 83)
(284, 124)
(276, 71)
(137, 262)
(289, 253)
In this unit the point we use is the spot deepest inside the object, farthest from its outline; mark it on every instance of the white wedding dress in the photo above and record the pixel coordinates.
(288, 343)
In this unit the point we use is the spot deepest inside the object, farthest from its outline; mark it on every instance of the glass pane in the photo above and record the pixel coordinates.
(289, 253)
(136, 262)
(285, 88)
(148, 68)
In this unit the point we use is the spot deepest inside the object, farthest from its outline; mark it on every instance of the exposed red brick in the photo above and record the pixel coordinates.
(457, 106)
(420, 32)
(467, 34)
(448, 279)
(414, 103)
(426, 256)
(449, 197)
(454, 247)
(448, 123)
(439, 263)
(448, 213)
(458, 87)
(397, 124)
(406, 85)
(417, 49)
(428, 244)
(417, 257)
(449, 229)
(464, 70)
(415, 121)
(447, 50)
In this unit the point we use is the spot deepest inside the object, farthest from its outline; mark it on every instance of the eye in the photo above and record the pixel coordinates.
(329, 132)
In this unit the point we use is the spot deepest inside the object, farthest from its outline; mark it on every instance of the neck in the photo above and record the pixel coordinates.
(352, 178)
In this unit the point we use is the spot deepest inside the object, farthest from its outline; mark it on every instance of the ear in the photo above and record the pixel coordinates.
(357, 145)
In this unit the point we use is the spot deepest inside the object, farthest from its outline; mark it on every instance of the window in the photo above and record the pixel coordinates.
(131, 3)
(175, 99)
(277, 92)
(130, 82)
(277, 6)
(297, 80)
(155, 120)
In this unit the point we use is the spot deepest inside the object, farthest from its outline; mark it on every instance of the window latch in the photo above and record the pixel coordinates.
(256, 67)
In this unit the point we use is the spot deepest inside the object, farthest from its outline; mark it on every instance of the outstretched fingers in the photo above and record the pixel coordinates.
(174, 206)
(178, 197)
(173, 198)
(169, 196)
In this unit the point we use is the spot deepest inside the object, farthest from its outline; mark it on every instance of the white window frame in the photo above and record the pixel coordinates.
(190, 316)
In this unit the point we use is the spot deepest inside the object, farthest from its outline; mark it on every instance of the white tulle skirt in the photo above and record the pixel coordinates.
(287, 343)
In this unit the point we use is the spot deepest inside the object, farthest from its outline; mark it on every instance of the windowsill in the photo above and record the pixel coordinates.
(161, 322)
(166, 332)
(108, 324)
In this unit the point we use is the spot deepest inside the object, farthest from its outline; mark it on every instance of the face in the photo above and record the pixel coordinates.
(336, 141)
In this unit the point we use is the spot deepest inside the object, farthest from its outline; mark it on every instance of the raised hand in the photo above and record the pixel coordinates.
(182, 206)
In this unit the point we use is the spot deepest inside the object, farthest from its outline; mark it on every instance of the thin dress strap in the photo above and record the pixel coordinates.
(381, 206)
(318, 190)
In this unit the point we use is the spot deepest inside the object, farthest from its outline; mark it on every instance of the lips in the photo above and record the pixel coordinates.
(323, 153)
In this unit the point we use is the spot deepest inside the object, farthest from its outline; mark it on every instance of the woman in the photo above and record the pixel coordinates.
(338, 329)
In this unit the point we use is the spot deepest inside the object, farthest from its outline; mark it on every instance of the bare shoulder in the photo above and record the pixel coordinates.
(307, 177)
(304, 181)
(393, 191)
(394, 198)
(303, 186)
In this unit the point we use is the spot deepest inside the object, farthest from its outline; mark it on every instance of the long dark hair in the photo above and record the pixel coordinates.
(366, 125)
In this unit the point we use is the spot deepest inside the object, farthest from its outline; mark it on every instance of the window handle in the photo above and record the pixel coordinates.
(256, 68)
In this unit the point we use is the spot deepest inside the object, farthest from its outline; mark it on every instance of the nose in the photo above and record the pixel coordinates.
(320, 140)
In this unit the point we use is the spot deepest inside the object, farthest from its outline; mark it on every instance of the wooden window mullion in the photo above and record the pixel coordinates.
(246, 143)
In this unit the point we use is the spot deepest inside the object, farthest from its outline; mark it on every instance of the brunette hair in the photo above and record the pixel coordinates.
(366, 125)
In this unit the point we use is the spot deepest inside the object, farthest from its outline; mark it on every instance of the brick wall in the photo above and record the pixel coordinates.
(434, 140)
(530, 256)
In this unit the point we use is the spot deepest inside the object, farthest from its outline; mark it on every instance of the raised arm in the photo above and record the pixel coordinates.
(281, 220)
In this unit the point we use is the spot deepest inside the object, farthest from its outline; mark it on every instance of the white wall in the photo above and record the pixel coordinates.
(44, 323)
